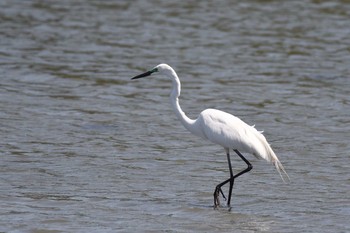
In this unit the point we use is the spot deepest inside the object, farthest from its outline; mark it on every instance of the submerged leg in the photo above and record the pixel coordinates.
(217, 192)
(250, 167)
(231, 179)
(218, 189)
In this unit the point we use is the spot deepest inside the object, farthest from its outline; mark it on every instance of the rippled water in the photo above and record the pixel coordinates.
(85, 149)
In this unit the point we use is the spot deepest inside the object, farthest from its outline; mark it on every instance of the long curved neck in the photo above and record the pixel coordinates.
(174, 98)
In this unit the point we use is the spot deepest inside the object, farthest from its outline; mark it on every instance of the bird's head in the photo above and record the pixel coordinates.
(161, 69)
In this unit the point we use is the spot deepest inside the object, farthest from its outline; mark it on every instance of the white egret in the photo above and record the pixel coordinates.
(221, 128)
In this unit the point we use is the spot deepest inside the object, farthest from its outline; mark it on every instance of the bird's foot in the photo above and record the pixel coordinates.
(217, 192)
(216, 202)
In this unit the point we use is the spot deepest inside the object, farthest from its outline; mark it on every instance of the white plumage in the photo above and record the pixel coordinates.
(221, 128)
(231, 132)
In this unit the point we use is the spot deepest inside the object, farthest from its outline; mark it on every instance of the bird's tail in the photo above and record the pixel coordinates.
(272, 157)
(281, 169)
(265, 151)
(268, 154)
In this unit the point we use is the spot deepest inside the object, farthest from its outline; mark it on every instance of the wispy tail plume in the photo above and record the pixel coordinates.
(281, 169)
(264, 150)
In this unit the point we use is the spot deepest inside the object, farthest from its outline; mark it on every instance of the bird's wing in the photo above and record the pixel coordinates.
(231, 132)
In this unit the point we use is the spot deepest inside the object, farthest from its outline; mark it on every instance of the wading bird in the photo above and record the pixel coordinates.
(221, 128)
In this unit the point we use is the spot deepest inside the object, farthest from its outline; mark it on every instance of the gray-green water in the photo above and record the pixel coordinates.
(85, 149)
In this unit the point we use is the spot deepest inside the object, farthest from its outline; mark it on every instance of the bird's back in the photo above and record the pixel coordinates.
(231, 132)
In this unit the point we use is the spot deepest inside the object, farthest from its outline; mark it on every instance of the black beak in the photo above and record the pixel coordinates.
(148, 73)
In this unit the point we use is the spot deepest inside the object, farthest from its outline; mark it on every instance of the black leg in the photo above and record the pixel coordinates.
(218, 189)
(250, 167)
(232, 180)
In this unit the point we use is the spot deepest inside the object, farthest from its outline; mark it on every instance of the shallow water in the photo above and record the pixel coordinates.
(85, 149)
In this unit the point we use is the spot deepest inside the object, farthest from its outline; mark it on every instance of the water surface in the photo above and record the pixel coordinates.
(85, 149)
